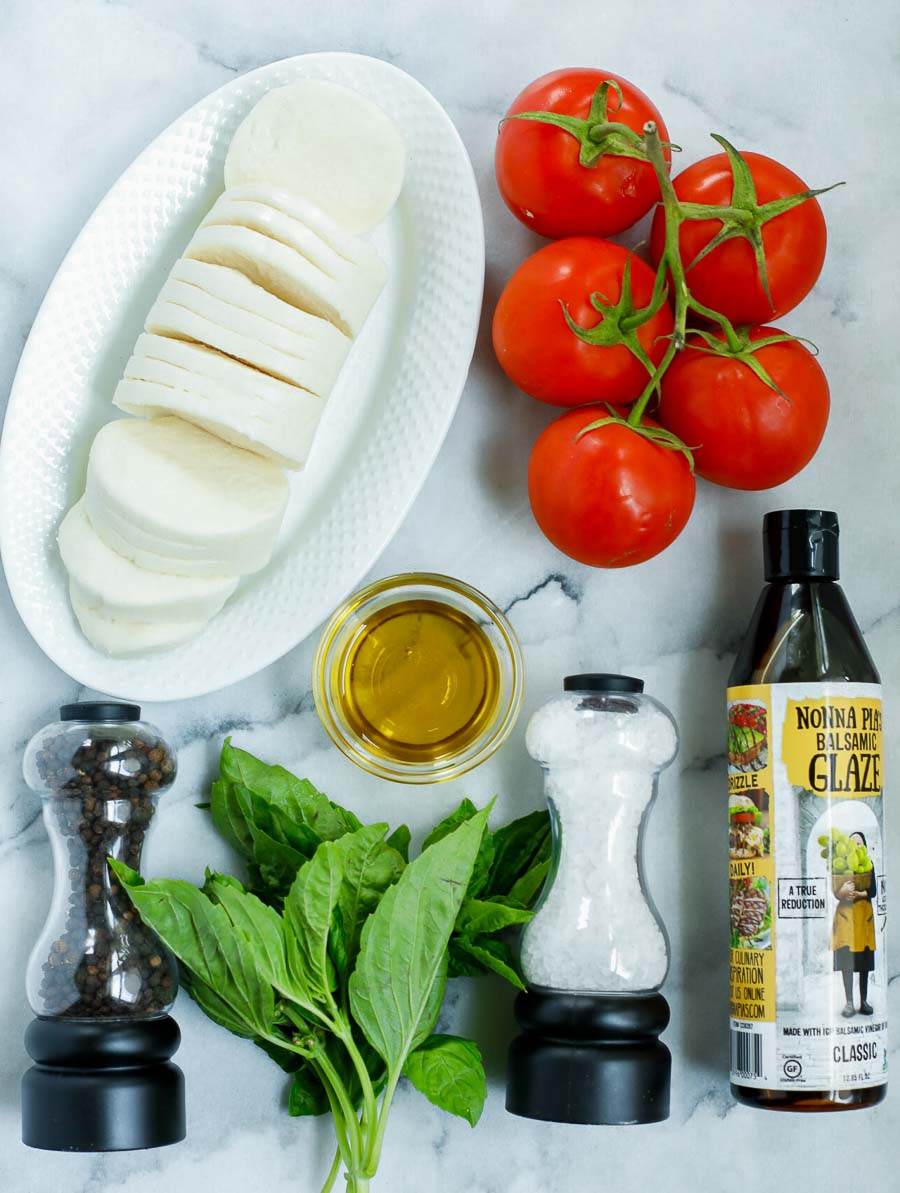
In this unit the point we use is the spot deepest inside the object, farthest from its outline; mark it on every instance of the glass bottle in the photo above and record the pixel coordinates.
(804, 665)
(596, 952)
(100, 983)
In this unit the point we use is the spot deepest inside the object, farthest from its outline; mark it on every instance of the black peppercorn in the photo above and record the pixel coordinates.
(102, 783)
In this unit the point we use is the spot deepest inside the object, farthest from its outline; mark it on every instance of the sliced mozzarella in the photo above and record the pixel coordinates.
(173, 498)
(325, 143)
(224, 396)
(312, 364)
(124, 638)
(288, 274)
(232, 288)
(355, 249)
(111, 586)
(300, 226)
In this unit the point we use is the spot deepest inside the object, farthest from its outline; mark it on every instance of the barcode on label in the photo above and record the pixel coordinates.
(746, 1053)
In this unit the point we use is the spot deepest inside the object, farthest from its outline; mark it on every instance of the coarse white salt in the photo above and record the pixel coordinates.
(595, 930)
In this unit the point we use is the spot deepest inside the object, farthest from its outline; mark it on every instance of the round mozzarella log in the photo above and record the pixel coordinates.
(324, 143)
(111, 586)
(289, 274)
(124, 638)
(238, 404)
(311, 359)
(173, 498)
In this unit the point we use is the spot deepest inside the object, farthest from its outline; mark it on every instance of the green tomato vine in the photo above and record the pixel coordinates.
(743, 218)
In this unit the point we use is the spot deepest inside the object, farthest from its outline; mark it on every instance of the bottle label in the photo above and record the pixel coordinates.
(807, 886)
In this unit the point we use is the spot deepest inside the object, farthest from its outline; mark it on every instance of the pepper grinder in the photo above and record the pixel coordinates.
(596, 953)
(100, 982)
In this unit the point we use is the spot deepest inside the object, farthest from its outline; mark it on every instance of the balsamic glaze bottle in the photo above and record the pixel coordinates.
(806, 840)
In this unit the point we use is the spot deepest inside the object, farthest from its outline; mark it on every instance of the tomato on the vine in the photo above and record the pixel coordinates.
(728, 278)
(542, 168)
(610, 497)
(742, 432)
(606, 292)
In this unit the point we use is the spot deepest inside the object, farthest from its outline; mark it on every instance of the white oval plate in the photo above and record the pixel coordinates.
(382, 428)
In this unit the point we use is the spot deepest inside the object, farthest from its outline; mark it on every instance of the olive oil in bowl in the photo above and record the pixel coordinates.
(418, 678)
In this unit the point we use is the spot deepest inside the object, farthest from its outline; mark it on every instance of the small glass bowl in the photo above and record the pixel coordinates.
(342, 631)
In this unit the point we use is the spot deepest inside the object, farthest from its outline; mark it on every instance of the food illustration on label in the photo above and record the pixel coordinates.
(751, 914)
(748, 824)
(747, 735)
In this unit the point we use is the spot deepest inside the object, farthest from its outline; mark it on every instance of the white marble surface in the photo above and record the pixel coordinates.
(84, 84)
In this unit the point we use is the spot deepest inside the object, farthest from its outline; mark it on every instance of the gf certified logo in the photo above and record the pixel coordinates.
(792, 1068)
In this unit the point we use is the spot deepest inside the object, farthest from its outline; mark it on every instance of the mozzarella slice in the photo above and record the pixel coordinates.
(300, 226)
(311, 360)
(241, 405)
(237, 291)
(174, 499)
(287, 274)
(111, 586)
(355, 249)
(324, 143)
(124, 638)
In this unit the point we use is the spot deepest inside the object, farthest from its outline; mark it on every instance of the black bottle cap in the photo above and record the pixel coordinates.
(102, 1086)
(100, 710)
(599, 681)
(801, 545)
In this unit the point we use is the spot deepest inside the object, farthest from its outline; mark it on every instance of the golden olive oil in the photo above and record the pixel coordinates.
(419, 681)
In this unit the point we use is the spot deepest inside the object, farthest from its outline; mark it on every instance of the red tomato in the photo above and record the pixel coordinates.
(728, 280)
(541, 354)
(611, 498)
(744, 435)
(538, 170)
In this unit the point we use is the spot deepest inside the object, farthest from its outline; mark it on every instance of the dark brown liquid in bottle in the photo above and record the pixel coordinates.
(803, 632)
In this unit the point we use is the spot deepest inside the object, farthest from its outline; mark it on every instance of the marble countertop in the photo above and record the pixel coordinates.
(85, 84)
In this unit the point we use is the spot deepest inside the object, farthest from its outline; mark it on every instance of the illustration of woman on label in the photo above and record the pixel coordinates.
(853, 930)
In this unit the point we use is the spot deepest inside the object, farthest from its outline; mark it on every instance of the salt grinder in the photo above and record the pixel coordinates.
(100, 982)
(596, 953)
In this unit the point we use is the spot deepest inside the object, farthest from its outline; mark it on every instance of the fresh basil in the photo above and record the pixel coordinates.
(332, 955)
(397, 987)
(449, 1071)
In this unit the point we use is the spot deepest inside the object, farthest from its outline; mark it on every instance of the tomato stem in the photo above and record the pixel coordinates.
(672, 267)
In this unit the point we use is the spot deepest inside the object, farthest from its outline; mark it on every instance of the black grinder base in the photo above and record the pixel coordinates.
(585, 1058)
(102, 1086)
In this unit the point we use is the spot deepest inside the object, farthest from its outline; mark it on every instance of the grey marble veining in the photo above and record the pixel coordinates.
(84, 85)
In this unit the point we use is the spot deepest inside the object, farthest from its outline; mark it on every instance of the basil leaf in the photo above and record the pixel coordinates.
(399, 840)
(228, 817)
(203, 938)
(462, 964)
(213, 1006)
(307, 1094)
(479, 917)
(369, 866)
(309, 915)
(298, 798)
(460, 815)
(259, 925)
(493, 956)
(398, 985)
(276, 824)
(449, 1071)
(482, 869)
(518, 846)
(526, 889)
